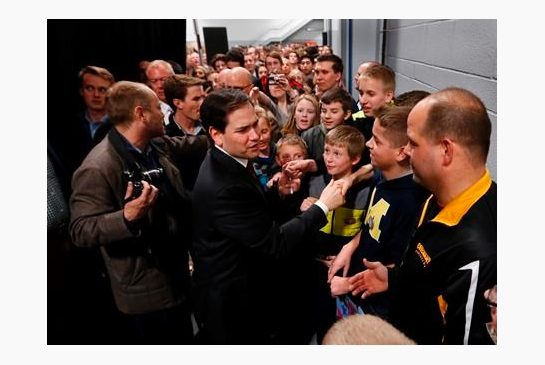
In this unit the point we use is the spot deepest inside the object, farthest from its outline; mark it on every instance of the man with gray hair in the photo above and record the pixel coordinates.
(156, 74)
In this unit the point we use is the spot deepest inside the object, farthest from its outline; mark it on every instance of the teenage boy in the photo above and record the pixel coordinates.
(391, 212)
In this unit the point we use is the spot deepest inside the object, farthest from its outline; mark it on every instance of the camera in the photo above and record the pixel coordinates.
(153, 177)
(274, 79)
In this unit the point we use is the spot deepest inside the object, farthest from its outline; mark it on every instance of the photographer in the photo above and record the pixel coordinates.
(128, 199)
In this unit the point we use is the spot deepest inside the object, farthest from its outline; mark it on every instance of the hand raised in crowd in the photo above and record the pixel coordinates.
(297, 168)
(254, 95)
(285, 184)
(284, 83)
(288, 185)
(136, 208)
(371, 281)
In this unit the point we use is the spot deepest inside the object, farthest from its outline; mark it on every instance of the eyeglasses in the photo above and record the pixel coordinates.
(92, 89)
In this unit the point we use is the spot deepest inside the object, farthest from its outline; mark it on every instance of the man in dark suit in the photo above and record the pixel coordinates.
(234, 233)
(141, 230)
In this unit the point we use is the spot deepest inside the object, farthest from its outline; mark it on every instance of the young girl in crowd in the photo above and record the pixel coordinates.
(304, 115)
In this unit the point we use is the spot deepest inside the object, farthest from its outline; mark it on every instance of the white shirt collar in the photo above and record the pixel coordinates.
(242, 161)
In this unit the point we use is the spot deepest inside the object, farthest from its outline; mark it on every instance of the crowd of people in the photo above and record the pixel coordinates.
(252, 200)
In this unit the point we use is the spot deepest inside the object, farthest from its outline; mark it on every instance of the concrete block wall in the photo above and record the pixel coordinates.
(432, 54)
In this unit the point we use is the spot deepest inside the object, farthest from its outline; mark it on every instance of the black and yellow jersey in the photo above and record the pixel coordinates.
(437, 292)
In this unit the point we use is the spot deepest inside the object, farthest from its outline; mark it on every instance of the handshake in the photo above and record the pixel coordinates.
(288, 181)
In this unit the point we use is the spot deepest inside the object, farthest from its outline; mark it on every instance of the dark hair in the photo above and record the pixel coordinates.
(461, 115)
(235, 55)
(218, 57)
(336, 60)
(410, 98)
(219, 104)
(340, 95)
(176, 87)
(312, 52)
(311, 59)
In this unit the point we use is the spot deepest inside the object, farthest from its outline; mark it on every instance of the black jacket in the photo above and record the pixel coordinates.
(234, 236)
(450, 262)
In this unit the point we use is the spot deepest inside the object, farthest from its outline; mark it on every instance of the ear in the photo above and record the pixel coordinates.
(216, 135)
(355, 160)
(400, 154)
(447, 148)
(389, 96)
(179, 104)
(138, 113)
(347, 115)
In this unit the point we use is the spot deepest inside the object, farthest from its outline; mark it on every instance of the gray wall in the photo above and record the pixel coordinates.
(366, 46)
(311, 31)
(432, 54)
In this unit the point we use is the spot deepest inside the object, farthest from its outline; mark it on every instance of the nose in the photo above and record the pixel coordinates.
(254, 134)
(362, 99)
(408, 150)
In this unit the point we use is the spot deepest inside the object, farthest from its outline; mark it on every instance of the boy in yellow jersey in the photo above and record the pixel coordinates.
(342, 152)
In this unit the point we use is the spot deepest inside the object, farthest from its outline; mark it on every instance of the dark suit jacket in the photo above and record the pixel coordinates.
(189, 167)
(77, 141)
(234, 234)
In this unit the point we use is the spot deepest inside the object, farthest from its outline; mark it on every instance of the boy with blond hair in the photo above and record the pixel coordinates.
(376, 86)
(342, 152)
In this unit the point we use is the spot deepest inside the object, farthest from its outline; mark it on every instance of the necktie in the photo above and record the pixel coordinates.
(251, 172)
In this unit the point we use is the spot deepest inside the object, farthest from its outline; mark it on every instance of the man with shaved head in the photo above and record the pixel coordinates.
(438, 290)
(241, 79)
(222, 78)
